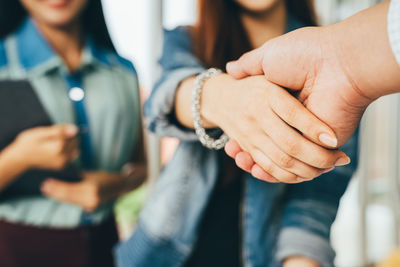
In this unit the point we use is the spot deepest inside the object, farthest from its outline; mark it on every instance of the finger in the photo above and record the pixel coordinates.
(286, 161)
(69, 130)
(62, 191)
(298, 116)
(71, 149)
(296, 145)
(271, 168)
(259, 173)
(244, 161)
(232, 148)
(57, 131)
(249, 64)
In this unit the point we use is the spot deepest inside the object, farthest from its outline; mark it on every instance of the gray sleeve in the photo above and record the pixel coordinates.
(394, 28)
(296, 241)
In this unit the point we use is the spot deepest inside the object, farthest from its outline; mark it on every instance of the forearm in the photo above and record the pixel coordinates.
(10, 167)
(362, 44)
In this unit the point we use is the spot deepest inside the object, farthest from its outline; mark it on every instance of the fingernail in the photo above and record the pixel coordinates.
(71, 130)
(328, 140)
(343, 161)
(328, 170)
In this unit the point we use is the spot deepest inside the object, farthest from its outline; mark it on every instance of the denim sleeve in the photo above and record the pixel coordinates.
(178, 62)
(311, 209)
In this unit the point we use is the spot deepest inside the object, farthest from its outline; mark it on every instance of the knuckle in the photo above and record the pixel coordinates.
(292, 148)
(291, 113)
(267, 167)
(286, 161)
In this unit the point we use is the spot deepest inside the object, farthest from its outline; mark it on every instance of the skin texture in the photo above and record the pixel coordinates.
(53, 147)
(334, 82)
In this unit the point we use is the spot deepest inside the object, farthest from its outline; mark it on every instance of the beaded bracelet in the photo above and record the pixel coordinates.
(204, 138)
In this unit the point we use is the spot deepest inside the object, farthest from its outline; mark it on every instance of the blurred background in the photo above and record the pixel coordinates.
(366, 228)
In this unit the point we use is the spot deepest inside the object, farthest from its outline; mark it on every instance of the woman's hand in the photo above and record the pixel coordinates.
(96, 188)
(299, 261)
(46, 147)
(43, 148)
(272, 126)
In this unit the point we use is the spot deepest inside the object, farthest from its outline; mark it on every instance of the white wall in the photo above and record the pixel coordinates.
(129, 22)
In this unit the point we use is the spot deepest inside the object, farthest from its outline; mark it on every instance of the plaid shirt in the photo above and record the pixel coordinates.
(394, 27)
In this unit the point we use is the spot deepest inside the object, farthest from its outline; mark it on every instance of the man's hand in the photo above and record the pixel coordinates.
(305, 60)
(313, 68)
(337, 70)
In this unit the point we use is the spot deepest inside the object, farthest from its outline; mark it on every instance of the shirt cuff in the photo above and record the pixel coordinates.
(394, 28)
(297, 242)
(159, 118)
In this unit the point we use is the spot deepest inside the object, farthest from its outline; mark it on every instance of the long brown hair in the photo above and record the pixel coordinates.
(219, 35)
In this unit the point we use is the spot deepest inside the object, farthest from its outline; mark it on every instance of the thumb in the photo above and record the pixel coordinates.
(66, 131)
(290, 60)
(249, 64)
(286, 60)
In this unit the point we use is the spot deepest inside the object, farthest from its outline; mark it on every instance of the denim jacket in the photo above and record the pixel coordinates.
(278, 220)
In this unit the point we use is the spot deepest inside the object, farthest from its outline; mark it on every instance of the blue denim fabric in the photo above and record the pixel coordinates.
(3, 58)
(279, 220)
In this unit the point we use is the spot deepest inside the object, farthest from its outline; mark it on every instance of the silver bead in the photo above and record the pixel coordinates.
(204, 138)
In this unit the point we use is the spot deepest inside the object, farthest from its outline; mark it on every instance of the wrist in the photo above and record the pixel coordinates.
(212, 101)
(11, 162)
(362, 47)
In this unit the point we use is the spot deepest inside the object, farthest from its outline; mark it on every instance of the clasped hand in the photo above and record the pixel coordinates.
(282, 136)
(325, 87)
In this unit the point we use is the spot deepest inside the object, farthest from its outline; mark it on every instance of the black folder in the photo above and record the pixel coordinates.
(21, 109)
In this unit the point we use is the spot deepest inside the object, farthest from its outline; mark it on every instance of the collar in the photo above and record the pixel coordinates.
(34, 50)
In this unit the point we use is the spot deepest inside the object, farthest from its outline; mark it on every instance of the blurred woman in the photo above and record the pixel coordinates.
(64, 50)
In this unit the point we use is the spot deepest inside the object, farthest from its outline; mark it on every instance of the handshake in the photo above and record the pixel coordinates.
(334, 72)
